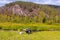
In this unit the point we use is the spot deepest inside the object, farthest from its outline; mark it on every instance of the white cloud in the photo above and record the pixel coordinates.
(53, 2)
(3, 2)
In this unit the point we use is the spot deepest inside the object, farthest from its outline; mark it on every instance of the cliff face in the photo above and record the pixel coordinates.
(16, 9)
(24, 12)
(28, 9)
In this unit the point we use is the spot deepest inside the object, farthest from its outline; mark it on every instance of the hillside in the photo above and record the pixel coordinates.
(27, 12)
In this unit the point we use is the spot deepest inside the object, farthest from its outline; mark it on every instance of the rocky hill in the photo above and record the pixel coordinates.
(23, 11)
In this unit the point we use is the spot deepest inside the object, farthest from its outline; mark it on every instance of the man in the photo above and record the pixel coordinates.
(28, 31)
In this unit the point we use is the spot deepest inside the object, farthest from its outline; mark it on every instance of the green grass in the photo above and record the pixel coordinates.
(43, 35)
(6, 34)
(32, 26)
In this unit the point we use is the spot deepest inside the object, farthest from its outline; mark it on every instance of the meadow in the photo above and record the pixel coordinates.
(10, 31)
(43, 35)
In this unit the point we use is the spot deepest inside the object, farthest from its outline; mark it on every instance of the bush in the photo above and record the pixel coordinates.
(0, 27)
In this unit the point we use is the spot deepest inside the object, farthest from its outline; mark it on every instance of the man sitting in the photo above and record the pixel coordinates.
(28, 31)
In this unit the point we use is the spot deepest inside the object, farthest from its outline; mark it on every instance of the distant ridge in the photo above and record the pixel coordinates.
(33, 12)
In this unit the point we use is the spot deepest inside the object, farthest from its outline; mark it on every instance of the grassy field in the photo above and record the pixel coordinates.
(32, 26)
(43, 35)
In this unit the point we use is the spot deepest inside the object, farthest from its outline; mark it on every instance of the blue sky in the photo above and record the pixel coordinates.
(52, 2)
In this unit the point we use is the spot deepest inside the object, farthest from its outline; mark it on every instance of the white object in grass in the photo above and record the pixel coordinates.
(20, 32)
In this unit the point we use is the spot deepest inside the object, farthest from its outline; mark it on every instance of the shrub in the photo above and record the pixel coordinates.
(0, 27)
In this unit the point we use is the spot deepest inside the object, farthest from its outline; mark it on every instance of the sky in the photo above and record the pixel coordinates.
(3, 2)
(52, 2)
